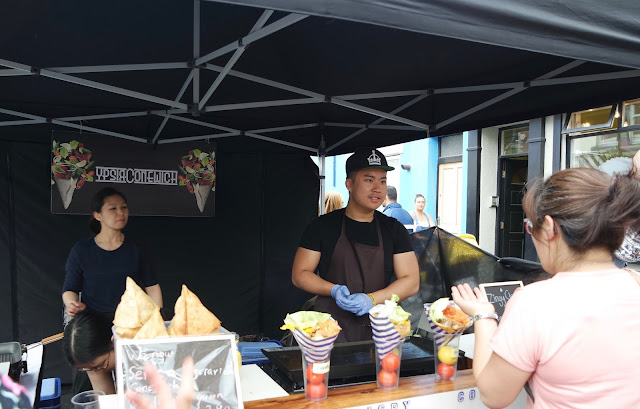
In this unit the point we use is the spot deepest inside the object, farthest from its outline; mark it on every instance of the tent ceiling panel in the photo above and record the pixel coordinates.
(123, 66)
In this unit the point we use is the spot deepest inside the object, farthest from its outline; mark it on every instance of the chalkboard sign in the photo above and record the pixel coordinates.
(499, 293)
(216, 372)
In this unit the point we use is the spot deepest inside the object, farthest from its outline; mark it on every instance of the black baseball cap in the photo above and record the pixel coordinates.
(364, 158)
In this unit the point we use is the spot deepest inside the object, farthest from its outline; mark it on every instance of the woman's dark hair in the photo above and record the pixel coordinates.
(86, 337)
(591, 208)
(96, 206)
(419, 195)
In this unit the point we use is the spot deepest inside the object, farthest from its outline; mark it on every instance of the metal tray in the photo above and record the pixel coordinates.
(355, 360)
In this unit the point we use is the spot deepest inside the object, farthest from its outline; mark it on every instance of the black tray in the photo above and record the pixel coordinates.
(355, 360)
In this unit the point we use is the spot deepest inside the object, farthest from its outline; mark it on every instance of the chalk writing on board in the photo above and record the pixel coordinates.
(216, 375)
(499, 294)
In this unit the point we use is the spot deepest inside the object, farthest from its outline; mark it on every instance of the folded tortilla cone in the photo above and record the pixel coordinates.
(153, 328)
(134, 310)
(191, 317)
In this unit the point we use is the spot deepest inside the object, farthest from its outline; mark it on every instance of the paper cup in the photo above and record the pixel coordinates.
(388, 367)
(87, 400)
(316, 364)
(446, 358)
(388, 345)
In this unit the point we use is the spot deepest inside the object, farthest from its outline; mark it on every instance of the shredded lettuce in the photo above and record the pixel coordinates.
(304, 320)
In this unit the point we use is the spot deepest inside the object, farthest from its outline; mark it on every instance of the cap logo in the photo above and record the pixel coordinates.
(374, 160)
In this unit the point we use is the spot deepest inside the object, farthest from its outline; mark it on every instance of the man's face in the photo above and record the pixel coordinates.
(368, 188)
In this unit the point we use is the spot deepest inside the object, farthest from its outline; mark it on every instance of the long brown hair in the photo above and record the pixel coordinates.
(332, 201)
(591, 208)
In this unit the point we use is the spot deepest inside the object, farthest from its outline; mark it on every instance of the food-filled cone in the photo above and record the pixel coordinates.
(315, 364)
(66, 187)
(445, 345)
(440, 335)
(388, 343)
(202, 193)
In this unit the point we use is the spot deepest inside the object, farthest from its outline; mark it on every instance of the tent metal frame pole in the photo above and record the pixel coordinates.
(252, 37)
(247, 133)
(387, 127)
(377, 121)
(71, 125)
(197, 138)
(103, 116)
(322, 156)
(323, 98)
(508, 94)
(196, 52)
(25, 122)
(232, 61)
(101, 68)
(92, 84)
(183, 89)
(261, 104)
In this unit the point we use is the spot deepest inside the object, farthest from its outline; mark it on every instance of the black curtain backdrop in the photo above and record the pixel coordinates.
(238, 262)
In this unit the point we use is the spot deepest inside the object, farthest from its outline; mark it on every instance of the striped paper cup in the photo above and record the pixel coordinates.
(441, 336)
(385, 335)
(314, 350)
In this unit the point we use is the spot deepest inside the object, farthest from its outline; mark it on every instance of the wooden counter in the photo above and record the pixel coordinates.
(369, 394)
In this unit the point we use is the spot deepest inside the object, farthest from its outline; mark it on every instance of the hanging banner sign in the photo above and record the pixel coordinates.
(176, 179)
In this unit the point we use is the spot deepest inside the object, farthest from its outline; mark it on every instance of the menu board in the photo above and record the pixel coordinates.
(499, 293)
(216, 372)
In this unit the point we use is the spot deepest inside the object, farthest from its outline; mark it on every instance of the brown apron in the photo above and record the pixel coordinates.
(349, 264)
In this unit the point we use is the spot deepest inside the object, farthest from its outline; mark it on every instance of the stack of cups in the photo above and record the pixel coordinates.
(388, 344)
(446, 347)
(315, 364)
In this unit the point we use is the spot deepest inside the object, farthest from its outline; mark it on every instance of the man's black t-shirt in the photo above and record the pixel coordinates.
(323, 233)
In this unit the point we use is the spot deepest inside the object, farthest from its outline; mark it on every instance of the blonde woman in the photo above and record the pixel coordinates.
(332, 201)
(421, 220)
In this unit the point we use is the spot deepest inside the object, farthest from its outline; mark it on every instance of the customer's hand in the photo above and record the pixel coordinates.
(360, 304)
(341, 294)
(471, 302)
(165, 398)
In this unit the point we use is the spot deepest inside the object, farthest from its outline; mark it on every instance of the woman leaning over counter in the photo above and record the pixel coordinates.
(569, 340)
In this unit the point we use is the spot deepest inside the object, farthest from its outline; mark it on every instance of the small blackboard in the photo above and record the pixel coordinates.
(216, 371)
(499, 293)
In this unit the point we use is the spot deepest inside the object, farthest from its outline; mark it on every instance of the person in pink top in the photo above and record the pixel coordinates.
(570, 340)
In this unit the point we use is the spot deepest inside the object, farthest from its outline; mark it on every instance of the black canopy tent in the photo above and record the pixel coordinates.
(270, 82)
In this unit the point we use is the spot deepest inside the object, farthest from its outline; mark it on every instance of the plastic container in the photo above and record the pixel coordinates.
(251, 352)
(50, 394)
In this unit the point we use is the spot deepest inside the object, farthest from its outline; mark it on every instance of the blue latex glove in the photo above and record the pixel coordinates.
(341, 294)
(360, 304)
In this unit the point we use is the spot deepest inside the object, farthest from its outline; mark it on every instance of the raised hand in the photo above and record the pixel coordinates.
(471, 301)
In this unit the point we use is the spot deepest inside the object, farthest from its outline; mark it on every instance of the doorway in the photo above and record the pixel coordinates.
(450, 197)
(511, 229)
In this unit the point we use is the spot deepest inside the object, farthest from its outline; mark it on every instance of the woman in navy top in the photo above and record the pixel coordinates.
(97, 267)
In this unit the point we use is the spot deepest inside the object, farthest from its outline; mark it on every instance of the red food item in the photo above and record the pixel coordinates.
(390, 362)
(315, 390)
(314, 377)
(446, 371)
(387, 379)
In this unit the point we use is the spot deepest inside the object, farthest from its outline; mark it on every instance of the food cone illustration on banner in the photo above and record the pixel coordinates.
(202, 193)
(316, 333)
(70, 168)
(66, 187)
(390, 326)
(447, 323)
(198, 175)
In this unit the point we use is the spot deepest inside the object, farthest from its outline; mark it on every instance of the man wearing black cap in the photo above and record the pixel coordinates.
(357, 251)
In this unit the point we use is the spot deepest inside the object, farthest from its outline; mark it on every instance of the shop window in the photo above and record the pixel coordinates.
(602, 151)
(514, 140)
(631, 117)
(590, 120)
